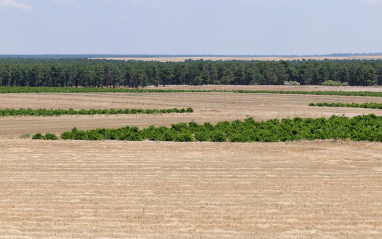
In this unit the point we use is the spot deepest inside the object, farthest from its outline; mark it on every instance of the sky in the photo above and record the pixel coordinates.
(190, 27)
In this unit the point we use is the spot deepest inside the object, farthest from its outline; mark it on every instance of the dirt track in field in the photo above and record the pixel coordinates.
(70, 189)
(109, 189)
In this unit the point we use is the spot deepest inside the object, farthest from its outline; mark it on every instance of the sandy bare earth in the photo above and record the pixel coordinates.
(111, 189)
(70, 189)
(270, 58)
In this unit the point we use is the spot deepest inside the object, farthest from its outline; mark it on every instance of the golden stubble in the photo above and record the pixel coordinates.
(208, 107)
(112, 189)
(74, 189)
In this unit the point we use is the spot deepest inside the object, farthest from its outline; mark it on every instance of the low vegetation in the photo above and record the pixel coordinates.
(58, 112)
(334, 83)
(6, 89)
(359, 128)
(354, 105)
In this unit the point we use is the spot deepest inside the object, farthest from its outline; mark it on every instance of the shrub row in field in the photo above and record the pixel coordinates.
(6, 89)
(126, 90)
(355, 105)
(58, 112)
(360, 128)
(339, 93)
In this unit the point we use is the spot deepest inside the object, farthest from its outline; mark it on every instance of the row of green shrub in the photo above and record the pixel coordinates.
(355, 105)
(360, 128)
(339, 93)
(6, 89)
(58, 112)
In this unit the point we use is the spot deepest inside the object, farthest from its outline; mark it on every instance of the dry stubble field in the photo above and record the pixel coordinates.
(106, 189)
(244, 58)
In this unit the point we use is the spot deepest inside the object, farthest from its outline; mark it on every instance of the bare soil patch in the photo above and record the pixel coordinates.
(67, 189)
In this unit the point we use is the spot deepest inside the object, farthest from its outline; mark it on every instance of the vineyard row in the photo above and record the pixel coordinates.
(58, 112)
(359, 128)
(354, 105)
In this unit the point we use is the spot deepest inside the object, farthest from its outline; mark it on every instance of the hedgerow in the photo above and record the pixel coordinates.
(359, 128)
(58, 112)
(6, 89)
(355, 105)
(339, 93)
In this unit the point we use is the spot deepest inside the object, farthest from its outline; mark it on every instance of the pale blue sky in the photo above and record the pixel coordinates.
(219, 27)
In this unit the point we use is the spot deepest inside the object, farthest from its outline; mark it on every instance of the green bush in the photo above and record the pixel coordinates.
(202, 135)
(334, 83)
(218, 136)
(50, 136)
(38, 136)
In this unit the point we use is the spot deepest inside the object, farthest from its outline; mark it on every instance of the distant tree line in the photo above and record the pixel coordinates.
(107, 73)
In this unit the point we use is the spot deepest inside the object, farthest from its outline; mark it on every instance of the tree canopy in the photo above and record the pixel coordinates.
(34, 72)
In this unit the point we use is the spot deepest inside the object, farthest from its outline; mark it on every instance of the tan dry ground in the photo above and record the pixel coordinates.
(209, 107)
(73, 189)
(70, 189)
(269, 58)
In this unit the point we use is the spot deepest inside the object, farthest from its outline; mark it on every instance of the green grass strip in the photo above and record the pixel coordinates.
(353, 105)
(58, 112)
(359, 128)
(129, 90)
(339, 93)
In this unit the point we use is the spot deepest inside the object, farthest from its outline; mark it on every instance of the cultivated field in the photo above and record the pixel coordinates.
(112, 189)
(230, 58)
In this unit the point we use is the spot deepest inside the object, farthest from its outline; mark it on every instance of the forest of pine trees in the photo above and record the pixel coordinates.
(46, 72)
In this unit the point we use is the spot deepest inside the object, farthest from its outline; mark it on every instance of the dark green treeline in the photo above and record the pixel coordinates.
(105, 73)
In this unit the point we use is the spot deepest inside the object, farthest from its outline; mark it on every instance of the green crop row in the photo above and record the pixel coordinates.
(131, 90)
(339, 93)
(359, 128)
(58, 112)
(354, 105)
(6, 89)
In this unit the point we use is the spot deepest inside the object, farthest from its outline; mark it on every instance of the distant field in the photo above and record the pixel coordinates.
(208, 107)
(271, 88)
(206, 58)
(115, 189)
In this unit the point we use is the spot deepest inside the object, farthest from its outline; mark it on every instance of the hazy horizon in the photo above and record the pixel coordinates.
(190, 27)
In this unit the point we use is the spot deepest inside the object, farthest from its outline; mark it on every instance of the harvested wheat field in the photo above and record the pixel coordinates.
(244, 58)
(208, 107)
(116, 189)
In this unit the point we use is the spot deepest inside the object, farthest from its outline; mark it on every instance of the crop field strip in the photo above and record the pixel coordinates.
(58, 112)
(212, 107)
(358, 128)
(6, 90)
(353, 105)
